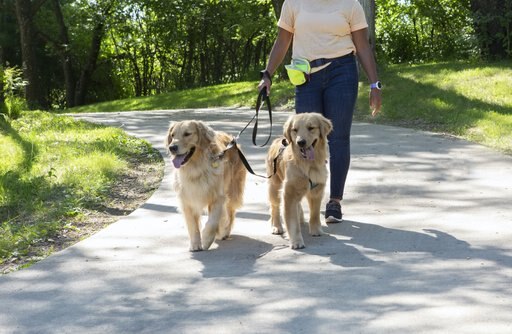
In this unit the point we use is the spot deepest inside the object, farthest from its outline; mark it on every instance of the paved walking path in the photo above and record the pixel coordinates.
(425, 248)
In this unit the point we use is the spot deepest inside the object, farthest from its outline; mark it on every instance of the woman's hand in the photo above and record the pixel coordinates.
(265, 83)
(375, 101)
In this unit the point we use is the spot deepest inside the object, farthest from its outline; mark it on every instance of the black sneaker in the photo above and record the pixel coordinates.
(333, 213)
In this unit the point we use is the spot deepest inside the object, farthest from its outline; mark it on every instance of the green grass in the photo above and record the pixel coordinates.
(53, 170)
(469, 100)
(227, 95)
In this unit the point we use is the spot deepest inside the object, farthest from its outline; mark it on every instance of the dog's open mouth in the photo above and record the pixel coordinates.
(308, 153)
(181, 159)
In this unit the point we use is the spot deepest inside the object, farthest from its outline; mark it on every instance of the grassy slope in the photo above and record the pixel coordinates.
(54, 171)
(468, 100)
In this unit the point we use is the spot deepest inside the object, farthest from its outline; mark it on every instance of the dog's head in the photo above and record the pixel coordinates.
(186, 138)
(307, 130)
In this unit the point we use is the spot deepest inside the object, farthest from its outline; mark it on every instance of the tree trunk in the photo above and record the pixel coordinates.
(2, 93)
(3, 14)
(90, 66)
(3, 26)
(186, 79)
(137, 80)
(369, 10)
(33, 92)
(94, 51)
(63, 49)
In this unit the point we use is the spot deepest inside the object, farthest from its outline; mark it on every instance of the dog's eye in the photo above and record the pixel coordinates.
(186, 134)
(311, 128)
(295, 130)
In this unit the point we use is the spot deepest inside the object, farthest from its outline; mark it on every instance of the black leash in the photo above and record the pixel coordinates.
(262, 99)
(248, 167)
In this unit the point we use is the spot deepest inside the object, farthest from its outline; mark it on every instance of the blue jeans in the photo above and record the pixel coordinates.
(332, 92)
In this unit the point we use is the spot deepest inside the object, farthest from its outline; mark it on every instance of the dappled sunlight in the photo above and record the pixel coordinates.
(270, 288)
(492, 87)
(11, 154)
(424, 247)
(432, 173)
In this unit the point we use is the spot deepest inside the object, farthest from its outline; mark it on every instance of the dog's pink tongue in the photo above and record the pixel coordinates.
(178, 160)
(310, 153)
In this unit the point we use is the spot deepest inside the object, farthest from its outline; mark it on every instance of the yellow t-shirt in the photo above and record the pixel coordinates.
(322, 28)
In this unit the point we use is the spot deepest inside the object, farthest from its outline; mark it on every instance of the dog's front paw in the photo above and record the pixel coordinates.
(195, 248)
(207, 241)
(277, 225)
(277, 230)
(317, 232)
(297, 244)
(223, 233)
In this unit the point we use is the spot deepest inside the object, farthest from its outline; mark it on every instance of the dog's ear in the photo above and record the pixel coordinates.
(205, 133)
(287, 129)
(325, 127)
(168, 138)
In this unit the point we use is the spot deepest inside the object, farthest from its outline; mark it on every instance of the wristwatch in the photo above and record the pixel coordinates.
(266, 74)
(377, 85)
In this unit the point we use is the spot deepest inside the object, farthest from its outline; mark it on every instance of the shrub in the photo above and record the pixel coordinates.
(11, 88)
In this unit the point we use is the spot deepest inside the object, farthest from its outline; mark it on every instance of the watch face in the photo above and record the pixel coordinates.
(379, 85)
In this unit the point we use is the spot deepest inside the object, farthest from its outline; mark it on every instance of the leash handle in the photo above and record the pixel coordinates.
(262, 99)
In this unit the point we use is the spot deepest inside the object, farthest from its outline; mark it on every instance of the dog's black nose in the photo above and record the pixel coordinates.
(301, 142)
(173, 148)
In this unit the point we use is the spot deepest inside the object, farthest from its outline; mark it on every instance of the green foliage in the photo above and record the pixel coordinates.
(493, 22)
(152, 47)
(163, 46)
(53, 171)
(423, 30)
(147, 47)
(11, 79)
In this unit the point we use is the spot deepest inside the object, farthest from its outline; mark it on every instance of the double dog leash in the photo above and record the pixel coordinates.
(260, 101)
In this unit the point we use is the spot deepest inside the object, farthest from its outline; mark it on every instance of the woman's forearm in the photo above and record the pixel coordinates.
(365, 54)
(278, 52)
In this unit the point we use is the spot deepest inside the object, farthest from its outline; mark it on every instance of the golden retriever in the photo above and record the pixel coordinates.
(300, 170)
(208, 176)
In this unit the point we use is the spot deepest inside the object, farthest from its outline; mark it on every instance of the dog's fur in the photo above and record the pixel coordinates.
(301, 170)
(202, 180)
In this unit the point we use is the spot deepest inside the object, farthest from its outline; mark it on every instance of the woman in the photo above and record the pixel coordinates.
(328, 33)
